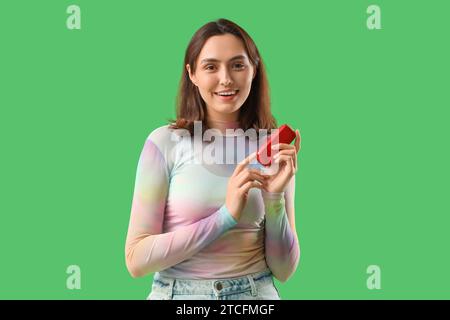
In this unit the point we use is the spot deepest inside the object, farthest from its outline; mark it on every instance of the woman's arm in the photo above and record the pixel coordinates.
(281, 241)
(147, 248)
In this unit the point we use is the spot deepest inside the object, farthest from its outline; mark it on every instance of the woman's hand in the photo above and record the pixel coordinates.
(285, 165)
(241, 181)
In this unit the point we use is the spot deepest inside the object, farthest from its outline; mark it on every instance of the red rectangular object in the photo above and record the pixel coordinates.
(284, 135)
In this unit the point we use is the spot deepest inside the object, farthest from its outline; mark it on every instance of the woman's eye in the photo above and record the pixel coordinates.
(211, 67)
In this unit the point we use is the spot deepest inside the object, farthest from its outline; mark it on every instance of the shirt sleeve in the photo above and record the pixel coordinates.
(147, 248)
(281, 242)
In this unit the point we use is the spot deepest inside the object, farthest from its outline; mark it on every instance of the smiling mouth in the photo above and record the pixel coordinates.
(230, 93)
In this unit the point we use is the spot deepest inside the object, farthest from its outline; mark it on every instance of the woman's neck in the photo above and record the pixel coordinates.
(222, 125)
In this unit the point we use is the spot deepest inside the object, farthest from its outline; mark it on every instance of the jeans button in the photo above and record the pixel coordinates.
(219, 286)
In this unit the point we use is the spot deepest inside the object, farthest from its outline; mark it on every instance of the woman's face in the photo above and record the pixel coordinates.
(223, 66)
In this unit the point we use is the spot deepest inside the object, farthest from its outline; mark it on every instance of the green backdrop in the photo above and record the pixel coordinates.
(372, 107)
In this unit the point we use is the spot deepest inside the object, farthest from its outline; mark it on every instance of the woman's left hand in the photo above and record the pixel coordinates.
(284, 164)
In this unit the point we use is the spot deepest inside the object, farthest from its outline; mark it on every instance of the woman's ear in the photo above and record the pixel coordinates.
(254, 72)
(191, 76)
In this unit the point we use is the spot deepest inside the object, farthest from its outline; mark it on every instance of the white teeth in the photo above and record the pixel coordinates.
(226, 93)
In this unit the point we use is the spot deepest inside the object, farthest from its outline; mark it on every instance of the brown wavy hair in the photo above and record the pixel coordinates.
(254, 113)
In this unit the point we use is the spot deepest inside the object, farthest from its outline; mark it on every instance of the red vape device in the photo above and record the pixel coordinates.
(284, 135)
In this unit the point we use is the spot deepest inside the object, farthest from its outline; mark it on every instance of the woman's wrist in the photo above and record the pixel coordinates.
(272, 195)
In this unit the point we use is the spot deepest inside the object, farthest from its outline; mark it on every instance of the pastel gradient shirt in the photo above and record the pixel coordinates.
(179, 224)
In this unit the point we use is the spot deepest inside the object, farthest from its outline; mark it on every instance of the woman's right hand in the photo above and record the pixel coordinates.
(241, 181)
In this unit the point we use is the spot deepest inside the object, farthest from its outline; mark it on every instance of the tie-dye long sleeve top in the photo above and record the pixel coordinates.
(179, 224)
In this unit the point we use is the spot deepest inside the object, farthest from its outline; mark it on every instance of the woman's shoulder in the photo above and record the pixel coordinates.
(166, 140)
(165, 136)
(160, 133)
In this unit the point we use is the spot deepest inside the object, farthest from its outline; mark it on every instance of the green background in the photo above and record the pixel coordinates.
(372, 107)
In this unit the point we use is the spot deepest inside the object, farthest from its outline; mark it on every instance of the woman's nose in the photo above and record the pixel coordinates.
(225, 77)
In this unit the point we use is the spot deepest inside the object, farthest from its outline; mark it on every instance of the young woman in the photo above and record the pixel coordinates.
(209, 229)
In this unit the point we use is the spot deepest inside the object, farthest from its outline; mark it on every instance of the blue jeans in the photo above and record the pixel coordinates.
(256, 286)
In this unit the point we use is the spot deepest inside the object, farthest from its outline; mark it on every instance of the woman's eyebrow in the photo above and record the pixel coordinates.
(215, 60)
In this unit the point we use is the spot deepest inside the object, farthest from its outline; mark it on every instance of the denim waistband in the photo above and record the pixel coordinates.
(216, 287)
